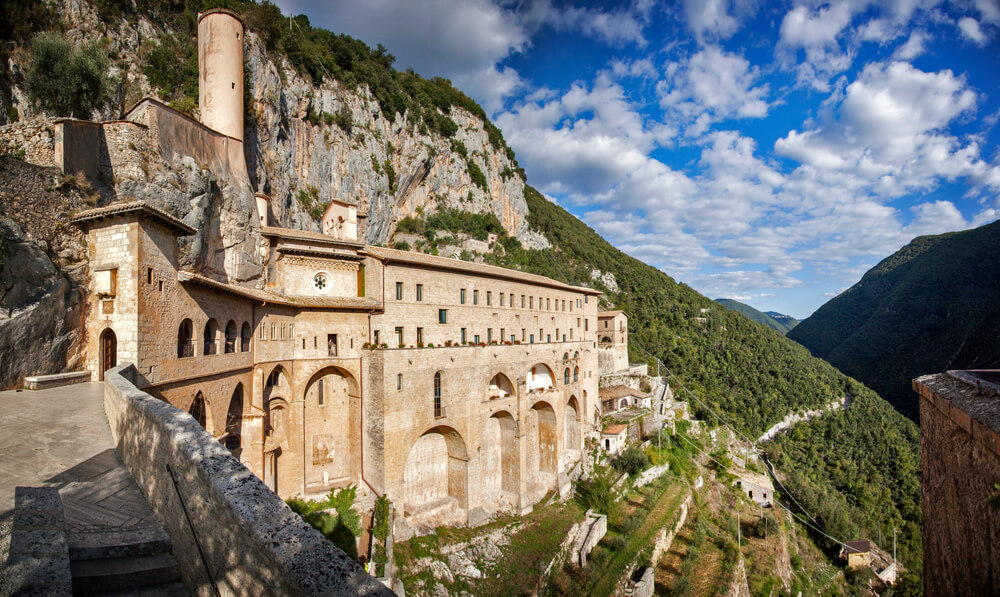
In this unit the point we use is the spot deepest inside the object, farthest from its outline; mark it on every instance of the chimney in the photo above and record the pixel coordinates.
(220, 71)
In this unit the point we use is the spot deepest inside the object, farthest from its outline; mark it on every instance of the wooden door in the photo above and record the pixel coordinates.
(109, 351)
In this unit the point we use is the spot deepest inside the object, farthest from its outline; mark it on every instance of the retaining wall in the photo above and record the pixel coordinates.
(227, 528)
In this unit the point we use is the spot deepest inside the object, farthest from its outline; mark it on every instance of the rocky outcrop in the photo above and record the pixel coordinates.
(296, 154)
(37, 300)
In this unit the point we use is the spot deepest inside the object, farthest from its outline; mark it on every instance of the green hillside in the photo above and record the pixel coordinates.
(783, 324)
(785, 320)
(931, 306)
(856, 470)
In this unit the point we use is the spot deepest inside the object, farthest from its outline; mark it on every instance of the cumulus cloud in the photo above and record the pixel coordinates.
(710, 19)
(815, 32)
(612, 27)
(914, 46)
(888, 132)
(711, 86)
(970, 29)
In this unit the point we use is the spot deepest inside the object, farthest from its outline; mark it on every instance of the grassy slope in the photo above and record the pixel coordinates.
(753, 314)
(842, 466)
(932, 305)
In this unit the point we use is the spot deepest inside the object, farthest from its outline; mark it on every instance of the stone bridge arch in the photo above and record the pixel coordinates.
(435, 480)
(501, 486)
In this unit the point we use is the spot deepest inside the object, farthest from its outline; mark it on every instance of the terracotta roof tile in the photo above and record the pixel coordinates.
(472, 268)
(614, 429)
(140, 207)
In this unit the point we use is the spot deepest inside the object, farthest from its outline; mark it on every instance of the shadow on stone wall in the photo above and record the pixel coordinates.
(227, 528)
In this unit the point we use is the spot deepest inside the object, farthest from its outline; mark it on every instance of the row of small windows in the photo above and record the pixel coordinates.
(464, 336)
(527, 302)
(185, 338)
(539, 378)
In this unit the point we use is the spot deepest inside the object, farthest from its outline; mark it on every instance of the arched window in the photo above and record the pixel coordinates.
(576, 354)
(230, 336)
(185, 340)
(211, 329)
(245, 337)
(565, 356)
(566, 376)
(438, 410)
(576, 374)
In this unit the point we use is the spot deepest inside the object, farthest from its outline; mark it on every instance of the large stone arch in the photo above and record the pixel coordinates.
(542, 448)
(332, 429)
(572, 431)
(500, 463)
(500, 386)
(435, 480)
(277, 382)
(540, 377)
(233, 433)
(201, 410)
(277, 423)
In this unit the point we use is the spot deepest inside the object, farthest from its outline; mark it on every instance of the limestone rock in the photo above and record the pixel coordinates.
(606, 278)
(36, 301)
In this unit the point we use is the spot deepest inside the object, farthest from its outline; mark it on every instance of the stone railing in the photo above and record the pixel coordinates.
(227, 528)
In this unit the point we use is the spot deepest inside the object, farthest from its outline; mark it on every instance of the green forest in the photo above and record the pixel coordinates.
(931, 306)
(782, 325)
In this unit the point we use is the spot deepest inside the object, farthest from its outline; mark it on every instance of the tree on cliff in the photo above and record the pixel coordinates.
(67, 81)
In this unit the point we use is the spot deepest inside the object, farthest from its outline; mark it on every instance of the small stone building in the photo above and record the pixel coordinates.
(615, 398)
(857, 553)
(758, 488)
(612, 335)
(614, 438)
(960, 474)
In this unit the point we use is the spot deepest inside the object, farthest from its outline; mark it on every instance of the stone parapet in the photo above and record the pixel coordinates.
(227, 528)
(38, 562)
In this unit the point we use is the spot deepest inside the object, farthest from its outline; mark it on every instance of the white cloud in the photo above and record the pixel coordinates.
(640, 68)
(710, 19)
(711, 86)
(913, 47)
(816, 33)
(490, 86)
(989, 10)
(888, 133)
(970, 29)
(614, 28)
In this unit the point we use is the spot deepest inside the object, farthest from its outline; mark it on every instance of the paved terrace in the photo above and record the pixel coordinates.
(59, 437)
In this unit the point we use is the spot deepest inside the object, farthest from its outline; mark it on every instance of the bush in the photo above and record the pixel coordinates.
(632, 461)
(344, 120)
(401, 245)
(477, 176)
(597, 493)
(171, 67)
(64, 81)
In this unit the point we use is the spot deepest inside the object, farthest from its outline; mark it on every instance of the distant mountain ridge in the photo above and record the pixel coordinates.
(772, 319)
(931, 306)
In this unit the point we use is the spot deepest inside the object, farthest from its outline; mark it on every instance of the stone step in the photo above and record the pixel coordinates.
(173, 589)
(111, 545)
(123, 574)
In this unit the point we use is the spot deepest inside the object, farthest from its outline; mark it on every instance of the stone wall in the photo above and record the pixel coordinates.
(35, 137)
(227, 528)
(960, 465)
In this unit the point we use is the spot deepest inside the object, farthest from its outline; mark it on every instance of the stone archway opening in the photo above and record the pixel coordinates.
(332, 430)
(572, 433)
(501, 474)
(233, 437)
(435, 480)
(542, 449)
(201, 412)
(275, 443)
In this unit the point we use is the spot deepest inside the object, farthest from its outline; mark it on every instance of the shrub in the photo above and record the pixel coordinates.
(171, 67)
(10, 149)
(597, 492)
(65, 81)
(476, 174)
(12, 114)
(402, 245)
(344, 120)
(632, 461)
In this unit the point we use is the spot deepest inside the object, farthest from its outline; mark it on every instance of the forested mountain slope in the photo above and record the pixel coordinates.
(311, 91)
(783, 324)
(931, 306)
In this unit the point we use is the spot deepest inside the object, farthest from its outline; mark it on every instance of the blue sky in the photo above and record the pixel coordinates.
(770, 152)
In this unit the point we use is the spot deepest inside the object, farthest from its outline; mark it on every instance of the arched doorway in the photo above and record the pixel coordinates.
(501, 485)
(435, 480)
(199, 410)
(109, 351)
(542, 448)
(332, 429)
(233, 439)
(275, 442)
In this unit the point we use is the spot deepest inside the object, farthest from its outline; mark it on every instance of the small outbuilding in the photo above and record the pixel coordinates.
(857, 553)
(620, 397)
(614, 438)
(757, 488)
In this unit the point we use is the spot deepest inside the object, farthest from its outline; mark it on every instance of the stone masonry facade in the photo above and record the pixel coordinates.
(418, 377)
(960, 466)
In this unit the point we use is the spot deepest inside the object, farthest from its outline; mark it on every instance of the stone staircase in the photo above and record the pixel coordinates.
(116, 546)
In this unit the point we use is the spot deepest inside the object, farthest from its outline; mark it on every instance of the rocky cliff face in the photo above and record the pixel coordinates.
(301, 160)
(42, 304)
